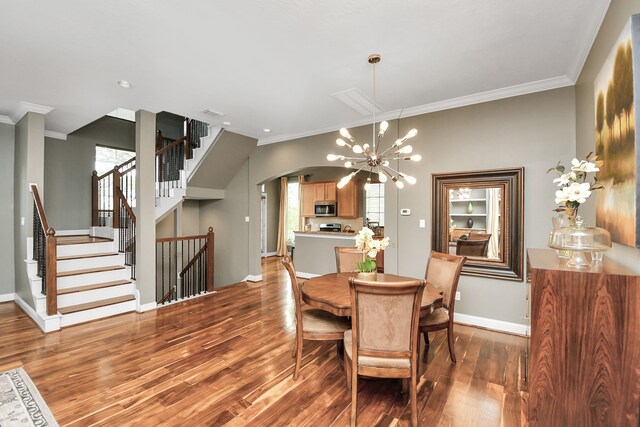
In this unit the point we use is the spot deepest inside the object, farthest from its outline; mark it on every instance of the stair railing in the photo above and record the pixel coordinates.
(170, 157)
(45, 253)
(184, 266)
(126, 225)
(104, 206)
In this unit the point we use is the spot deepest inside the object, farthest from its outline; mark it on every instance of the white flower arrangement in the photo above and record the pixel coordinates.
(370, 248)
(575, 190)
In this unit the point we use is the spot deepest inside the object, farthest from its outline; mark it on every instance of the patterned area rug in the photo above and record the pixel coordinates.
(21, 403)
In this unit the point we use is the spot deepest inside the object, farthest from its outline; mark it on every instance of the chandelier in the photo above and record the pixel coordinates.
(371, 157)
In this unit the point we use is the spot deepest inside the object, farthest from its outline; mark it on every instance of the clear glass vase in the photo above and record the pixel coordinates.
(555, 236)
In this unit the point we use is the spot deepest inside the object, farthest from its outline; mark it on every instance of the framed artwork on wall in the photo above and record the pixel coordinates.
(617, 140)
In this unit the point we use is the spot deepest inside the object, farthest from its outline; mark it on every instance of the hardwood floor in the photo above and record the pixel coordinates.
(225, 359)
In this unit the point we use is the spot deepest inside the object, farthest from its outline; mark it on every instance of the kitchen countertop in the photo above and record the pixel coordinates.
(337, 234)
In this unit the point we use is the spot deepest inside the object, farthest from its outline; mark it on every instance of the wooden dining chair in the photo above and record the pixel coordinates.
(312, 324)
(383, 340)
(443, 272)
(472, 247)
(347, 258)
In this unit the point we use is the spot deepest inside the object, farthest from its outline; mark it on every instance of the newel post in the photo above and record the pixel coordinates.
(210, 260)
(51, 277)
(116, 198)
(94, 199)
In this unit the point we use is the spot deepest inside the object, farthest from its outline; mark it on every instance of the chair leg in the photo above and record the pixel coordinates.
(295, 348)
(413, 398)
(354, 396)
(426, 338)
(452, 349)
(347, 370)
(296, 371)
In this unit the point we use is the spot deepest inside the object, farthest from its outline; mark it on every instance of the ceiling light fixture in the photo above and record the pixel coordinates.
(226, 123)
(125, 84)
(373, 159)
(266, 130)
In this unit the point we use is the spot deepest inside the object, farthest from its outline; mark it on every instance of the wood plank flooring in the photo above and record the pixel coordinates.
(225, 359)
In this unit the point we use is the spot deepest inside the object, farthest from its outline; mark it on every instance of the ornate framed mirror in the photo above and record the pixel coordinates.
(480, 214)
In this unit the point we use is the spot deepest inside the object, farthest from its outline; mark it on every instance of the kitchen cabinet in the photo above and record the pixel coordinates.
(349, 200)
(324, 191)
(307, 199)
(582, 364)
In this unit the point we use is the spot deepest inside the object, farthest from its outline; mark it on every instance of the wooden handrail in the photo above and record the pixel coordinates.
(125, 203)
(168, 295)
(51, 256)
(193, 260)
(175, 239)
(170, 146)
(41, 214)
(133, 159)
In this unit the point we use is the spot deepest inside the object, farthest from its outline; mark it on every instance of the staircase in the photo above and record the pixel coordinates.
(78, 278)
(171, 192)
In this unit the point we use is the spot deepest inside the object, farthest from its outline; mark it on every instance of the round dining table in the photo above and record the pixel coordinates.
(330, 292)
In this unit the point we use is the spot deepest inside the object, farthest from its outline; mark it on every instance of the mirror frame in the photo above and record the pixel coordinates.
(511, 181)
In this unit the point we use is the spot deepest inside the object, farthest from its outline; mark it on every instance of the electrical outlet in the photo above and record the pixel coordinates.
(457, 296)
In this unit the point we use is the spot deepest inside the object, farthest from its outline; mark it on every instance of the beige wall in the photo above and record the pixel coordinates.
(533, 131)
(616, 18)
(7, 146)
(69, 165)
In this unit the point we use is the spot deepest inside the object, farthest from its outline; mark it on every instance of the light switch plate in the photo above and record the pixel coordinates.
(405, 212)
(246, 219)
(423, 224)
(457, 296)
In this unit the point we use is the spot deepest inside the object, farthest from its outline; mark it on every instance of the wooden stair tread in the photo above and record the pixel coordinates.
(90, 270)
(94, 286)
(69, 257)
(95, 304)
(79, 240)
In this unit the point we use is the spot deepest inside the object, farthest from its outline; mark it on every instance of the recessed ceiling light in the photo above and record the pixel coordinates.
(125, 84)
(266, 130)
(226, 123)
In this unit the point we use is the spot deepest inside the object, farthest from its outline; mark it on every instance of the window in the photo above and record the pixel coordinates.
(107, 158)
(293, 209)
(374, 203)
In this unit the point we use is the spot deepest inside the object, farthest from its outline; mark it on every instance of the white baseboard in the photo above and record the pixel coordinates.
(72, 232)
(306, 275)
(47, 324)
(146, 307)
(204, 294)
(493, 324)
(7, 297)
(253, 278)
(269, 254)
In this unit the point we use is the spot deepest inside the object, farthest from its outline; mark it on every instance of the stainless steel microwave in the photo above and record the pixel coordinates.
(325, 209)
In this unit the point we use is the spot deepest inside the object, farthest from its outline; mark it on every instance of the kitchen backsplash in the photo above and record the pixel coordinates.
(355, 223)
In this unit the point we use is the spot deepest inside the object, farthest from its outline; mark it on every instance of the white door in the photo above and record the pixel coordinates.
(263, 223)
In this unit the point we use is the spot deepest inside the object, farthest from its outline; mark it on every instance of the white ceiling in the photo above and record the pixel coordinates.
(274, 64)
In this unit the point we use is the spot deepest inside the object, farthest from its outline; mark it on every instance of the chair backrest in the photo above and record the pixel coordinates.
(443, 272)
(346, 259)
(384, 317)
(478, 236)
(471, 247)
(295, 286)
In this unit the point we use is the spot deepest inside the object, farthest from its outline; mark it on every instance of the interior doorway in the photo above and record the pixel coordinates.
(263, 225)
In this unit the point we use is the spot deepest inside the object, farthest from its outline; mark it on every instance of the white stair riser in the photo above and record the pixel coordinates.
(97, 313)
(92, 278)
(95, 294)
(86, 248)
(84, 263)
(41, 302)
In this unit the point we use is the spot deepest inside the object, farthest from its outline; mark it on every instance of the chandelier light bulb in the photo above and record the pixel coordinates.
(406, 149)
(365, 147)
(341, 142)
(357, 149)
(333, 157)
(348, 164)
(383, 128)
(413, 132)
(368, 184)
(382, 177)
(385, 163)
(415, 158)
(345, 134)
(399, 184)
(410, 180)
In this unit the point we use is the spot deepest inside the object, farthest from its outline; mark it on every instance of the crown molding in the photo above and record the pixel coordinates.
(581, 58)
(29, 107)
(476, 98)
(56, 135)
(6, 119)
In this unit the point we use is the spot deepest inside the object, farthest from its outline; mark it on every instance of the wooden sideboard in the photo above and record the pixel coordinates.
(584, 349)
